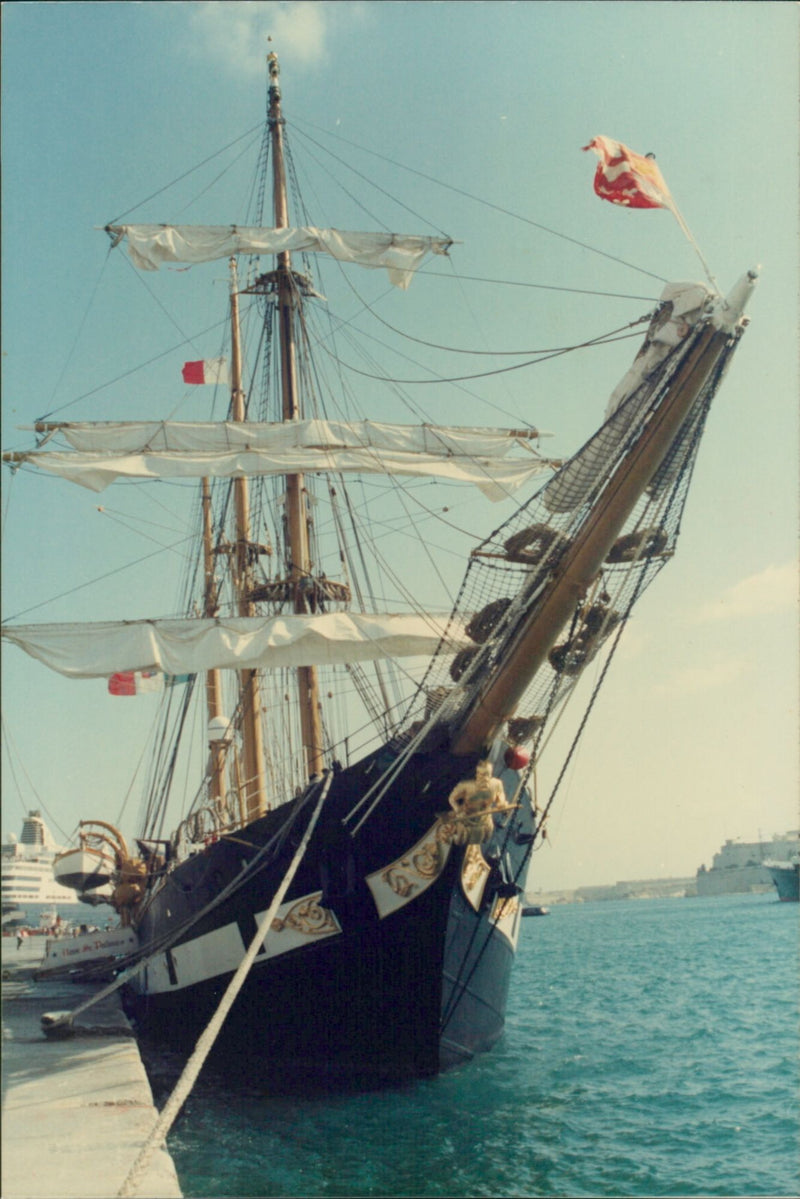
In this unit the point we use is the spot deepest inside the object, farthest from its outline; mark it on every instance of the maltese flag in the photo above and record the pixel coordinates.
(211, 370)
(626, 178)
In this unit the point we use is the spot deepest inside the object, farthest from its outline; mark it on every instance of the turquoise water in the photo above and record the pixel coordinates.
(651, 1049)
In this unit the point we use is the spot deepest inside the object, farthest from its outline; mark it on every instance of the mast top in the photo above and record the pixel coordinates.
(274, 76)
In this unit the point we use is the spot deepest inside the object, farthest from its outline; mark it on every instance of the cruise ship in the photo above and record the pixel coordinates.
(27, 868)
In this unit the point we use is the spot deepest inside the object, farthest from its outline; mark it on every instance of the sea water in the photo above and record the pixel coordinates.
(651, 1048)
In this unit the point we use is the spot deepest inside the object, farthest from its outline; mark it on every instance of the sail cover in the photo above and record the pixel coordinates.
(400, 254)
(175, 450)
(189, 646)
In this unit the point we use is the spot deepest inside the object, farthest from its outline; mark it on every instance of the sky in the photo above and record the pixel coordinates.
(695, 737)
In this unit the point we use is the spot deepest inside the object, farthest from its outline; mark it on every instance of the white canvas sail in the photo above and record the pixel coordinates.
(188, 646)
(399, 254)
(496, 478)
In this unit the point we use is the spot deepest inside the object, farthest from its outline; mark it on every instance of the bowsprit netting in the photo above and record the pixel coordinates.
(510, 573)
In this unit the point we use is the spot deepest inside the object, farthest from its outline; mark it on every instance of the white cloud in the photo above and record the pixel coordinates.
(236, 32)
(693, 679)
(771, 590)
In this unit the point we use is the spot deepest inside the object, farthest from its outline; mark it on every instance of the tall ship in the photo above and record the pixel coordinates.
(26, 866)
(354, 846)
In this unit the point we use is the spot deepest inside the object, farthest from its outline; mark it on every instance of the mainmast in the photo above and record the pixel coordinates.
(255, 797)
(295, 494)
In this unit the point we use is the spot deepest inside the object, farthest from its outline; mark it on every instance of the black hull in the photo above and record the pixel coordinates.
(365, 990)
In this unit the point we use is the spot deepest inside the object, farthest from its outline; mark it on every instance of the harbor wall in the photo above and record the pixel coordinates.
(76, 1112)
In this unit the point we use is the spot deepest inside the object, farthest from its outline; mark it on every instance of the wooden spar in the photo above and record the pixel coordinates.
(116, 839)
(295, 502)
(252, 735)
(218, 745)
(532, 642)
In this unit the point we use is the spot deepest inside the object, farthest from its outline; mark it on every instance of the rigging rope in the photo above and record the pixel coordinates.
(605, 339)
(191, 170)
(481, 353)
(489, 204)
(208, 1037)
(575, 291)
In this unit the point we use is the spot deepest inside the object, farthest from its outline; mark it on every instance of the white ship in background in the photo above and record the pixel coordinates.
(739, 866)
(27, 868)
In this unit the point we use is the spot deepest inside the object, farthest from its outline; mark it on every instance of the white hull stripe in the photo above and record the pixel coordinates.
(298, 923)
(404, 879)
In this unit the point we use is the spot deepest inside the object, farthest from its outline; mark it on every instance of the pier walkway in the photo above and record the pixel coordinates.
(75, 1112)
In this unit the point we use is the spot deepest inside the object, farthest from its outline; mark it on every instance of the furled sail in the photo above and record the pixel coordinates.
(190, 645)
(400, 254)
(174, 450)
(210, 436)
(669, 339)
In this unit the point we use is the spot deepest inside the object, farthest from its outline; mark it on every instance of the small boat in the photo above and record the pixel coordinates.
(91, 864)
(535, 909)
(363, 814)
(69, 955)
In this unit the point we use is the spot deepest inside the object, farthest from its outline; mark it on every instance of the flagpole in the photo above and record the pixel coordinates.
(635, 181)
(676, 212)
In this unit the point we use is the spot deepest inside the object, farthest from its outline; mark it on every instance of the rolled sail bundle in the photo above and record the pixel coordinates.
(188, 646)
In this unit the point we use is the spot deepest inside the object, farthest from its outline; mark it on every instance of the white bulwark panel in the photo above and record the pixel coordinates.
(297, 923)
(404, 879)
(219, 952)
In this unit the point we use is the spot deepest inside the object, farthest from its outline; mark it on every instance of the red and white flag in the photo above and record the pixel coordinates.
(623, 177)
(135, 682)
(210, 370)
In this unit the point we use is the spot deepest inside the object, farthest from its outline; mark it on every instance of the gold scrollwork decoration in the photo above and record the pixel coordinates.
(400, 883)
(425, 861)
(504, 908)
(308, 917)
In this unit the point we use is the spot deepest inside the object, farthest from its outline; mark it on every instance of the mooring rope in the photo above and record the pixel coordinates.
(209, 1035)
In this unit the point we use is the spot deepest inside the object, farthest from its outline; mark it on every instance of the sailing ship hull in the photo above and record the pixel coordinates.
(390, 958)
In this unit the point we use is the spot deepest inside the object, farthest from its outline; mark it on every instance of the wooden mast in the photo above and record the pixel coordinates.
(504, 688)
(218, 743)
(255, 797)
(295, 496)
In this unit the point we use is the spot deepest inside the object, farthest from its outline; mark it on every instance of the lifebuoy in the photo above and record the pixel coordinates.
(571, 657)
(522, 728)
(460, 663)
(534, 544)
(483, 623)
(597, 621)
(645, 543)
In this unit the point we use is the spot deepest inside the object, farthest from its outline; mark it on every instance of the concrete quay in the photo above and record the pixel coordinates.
(75, 1112)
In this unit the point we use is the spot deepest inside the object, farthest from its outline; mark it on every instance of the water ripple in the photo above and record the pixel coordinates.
(651, 1049)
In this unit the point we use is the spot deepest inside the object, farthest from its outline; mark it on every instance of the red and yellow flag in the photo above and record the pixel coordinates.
(623, 177)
